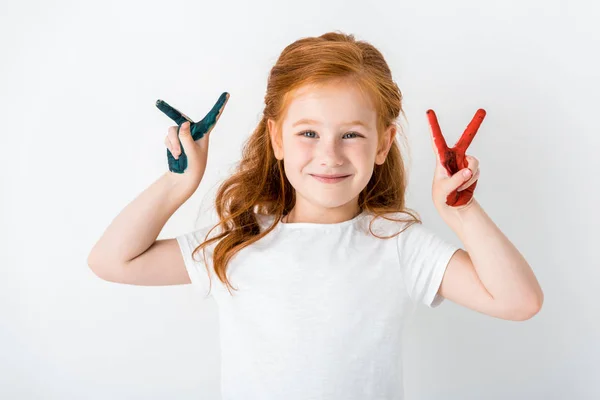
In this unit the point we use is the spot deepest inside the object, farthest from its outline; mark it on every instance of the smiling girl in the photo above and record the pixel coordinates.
(314, 236)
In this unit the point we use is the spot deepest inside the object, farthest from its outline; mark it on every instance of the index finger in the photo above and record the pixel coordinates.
(436, 135)
(172, 112)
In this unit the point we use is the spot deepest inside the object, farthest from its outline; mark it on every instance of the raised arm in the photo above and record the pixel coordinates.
(128, 251)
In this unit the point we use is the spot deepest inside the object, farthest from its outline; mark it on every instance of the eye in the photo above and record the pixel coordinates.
(356, 134)
(303, 133)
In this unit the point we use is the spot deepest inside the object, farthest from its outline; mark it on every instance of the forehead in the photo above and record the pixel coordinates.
(330, 104)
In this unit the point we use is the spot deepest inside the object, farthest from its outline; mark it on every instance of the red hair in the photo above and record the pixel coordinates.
(259, 184)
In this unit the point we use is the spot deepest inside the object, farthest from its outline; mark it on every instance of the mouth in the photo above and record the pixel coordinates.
(330, 178)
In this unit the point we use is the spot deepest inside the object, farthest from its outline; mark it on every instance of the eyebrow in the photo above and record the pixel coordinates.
(308, 121)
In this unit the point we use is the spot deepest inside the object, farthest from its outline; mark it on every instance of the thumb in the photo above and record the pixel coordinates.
(459, 178)
(185, 135)
(187, 141)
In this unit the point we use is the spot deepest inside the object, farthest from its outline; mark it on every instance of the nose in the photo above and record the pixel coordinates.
(330, 153)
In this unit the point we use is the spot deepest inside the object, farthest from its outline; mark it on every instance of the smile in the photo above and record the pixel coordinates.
(324, 179)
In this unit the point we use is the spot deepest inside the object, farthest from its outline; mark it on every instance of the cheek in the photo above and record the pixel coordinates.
(298, 152)
(361, 155)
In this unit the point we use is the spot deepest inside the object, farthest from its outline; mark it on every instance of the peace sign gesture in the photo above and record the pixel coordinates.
(196, 129)
(449, 186)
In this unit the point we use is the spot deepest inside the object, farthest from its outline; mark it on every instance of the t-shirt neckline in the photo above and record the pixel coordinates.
(314, 225)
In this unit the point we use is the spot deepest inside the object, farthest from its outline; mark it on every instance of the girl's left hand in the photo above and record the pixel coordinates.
(452, 189)
(458, 185)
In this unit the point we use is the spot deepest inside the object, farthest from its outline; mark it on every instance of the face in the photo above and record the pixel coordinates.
(329, 130)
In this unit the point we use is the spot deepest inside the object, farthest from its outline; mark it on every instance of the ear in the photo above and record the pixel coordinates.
(388, 139)
(277, 147)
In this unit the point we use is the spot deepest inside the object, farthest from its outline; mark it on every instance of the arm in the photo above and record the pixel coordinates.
(492, 276)
(128, 251)
(137, 226)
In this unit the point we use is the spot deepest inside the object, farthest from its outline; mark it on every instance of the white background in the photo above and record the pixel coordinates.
(81, 138)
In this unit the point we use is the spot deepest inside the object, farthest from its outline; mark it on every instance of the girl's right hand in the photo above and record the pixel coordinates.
(195, 146)
(196, 152)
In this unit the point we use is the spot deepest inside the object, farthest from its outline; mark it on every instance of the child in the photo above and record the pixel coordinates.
(324, 258)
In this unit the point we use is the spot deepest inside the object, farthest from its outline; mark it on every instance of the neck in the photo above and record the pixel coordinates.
(335, 217)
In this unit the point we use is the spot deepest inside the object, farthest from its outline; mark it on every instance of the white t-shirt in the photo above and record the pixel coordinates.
(320, 308)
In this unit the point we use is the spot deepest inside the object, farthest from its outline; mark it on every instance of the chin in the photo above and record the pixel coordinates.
(330, 200)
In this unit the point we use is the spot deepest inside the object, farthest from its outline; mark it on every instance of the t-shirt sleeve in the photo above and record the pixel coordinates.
(424, 257)
(195, 266)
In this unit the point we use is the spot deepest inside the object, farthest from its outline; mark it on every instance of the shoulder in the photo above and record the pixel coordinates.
(197, 236)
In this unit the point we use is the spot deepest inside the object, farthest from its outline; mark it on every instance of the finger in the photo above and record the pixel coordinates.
(469, 133)
(458, 179)
(169, 146)
(172, 143)
(439, 143)
(469, 182)
(472, 163)
(185, 136)
(206, 125)
(174, 139)
(177, 116)
(187, 141)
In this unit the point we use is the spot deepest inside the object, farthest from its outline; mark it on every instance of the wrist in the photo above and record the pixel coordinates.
(178, 184)
(454, 217)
